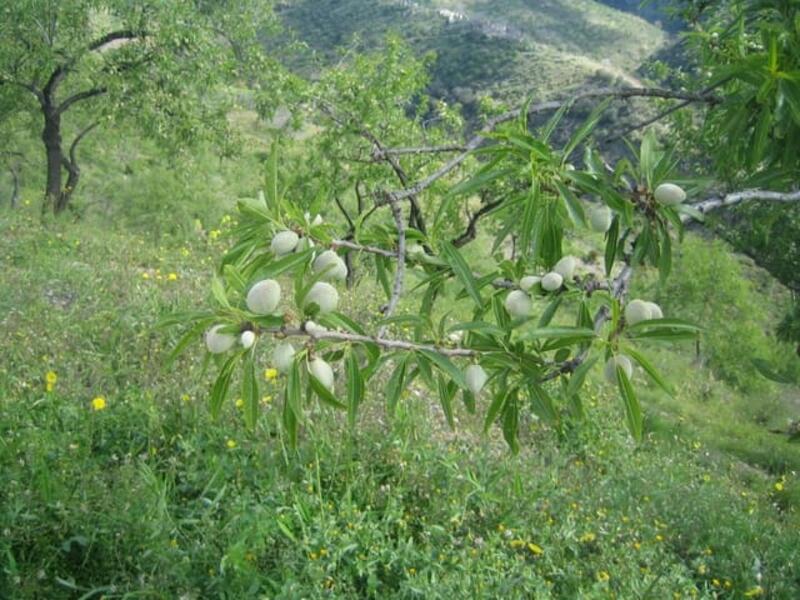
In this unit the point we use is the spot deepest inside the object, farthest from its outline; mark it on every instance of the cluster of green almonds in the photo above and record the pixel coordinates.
(519, 303)
(264, 297)
(601, 216)
(636, 311)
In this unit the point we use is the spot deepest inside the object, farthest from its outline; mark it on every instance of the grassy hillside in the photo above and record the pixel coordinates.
(507, 49)
(148, 496)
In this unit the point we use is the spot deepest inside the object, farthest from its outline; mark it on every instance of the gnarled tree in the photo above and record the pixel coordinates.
(158, 63)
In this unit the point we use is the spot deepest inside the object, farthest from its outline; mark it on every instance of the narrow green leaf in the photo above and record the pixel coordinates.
(355, 387)
(250, 391)
(446, 366)
(479, 326)
(469, 401)
(269, 268)
(446, 392)
(542, 404)
(294, 393)
(462, 272)
(650, 370)
(511, 423)
(394, 386)
(585, 130)
(579, 376)
(665, 262)
(234, 278)
(220, 389)
(324, 393)
(218, 291)
(612, 238)
(633, 411)
(572, 204)
(578, 333)
(192, 335)
(498, 402)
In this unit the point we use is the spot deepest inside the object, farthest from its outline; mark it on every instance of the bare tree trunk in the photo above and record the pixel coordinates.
(55, 195)
(14, 170)
(51, 136)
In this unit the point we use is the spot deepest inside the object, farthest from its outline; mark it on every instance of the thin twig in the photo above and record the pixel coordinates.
(481, 136)
(424, 150)
(735, 198)
(400, 269)
(381, 341)
(362, 248)
(472, 227)
(664, 113)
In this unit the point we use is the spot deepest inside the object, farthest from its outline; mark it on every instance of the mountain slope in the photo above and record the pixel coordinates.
(507, 48)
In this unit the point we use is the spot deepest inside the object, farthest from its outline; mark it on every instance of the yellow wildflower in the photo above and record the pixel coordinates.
(603, 576)
(535, 549)
(185, 397)
(588, 537)
(239, 403)
(99, 403)
(266, 399)
(779, 486)
(517, 544)
(50, 379)
(145, 275)
(172, 277)
(271, 374)
(754, 592)
(231, 444)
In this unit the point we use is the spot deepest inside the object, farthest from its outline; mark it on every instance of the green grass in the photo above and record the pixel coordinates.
(150, 498)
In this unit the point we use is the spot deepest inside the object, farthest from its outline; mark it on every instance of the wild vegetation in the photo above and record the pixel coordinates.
(393, 348)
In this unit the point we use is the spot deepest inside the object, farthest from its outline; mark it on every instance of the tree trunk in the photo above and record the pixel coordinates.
(51, 136)
(15, 180)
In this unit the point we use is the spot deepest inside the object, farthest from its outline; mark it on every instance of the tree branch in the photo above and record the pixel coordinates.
(113, 36)
(391, 344)
(361, 248)
(735, 198)
(665, 113)
(84, 95)
(400, 269)
(479, 138)
(78, 139)
(60, 72)
(378, 154)
(26, 86)
(472, 227)
(424, 150)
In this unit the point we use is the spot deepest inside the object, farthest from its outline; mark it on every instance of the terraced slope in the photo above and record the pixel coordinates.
(508, 48)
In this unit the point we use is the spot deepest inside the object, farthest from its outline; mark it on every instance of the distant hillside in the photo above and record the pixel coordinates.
(506, 48)
(655, 11)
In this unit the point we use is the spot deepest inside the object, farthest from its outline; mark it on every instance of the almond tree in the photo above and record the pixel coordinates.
(158, 64)
(413, 198)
